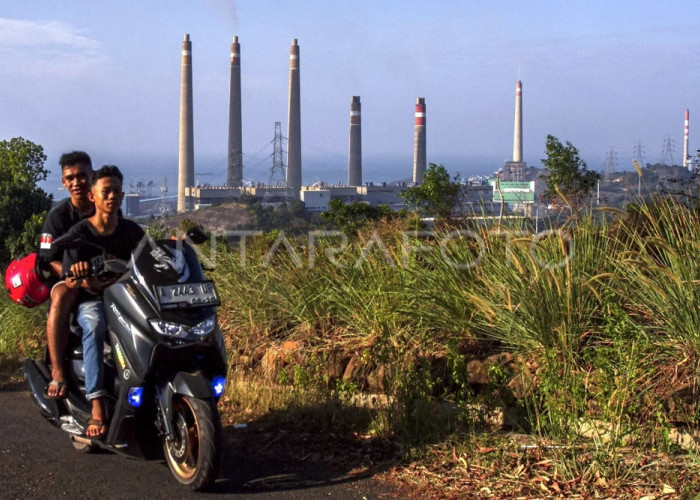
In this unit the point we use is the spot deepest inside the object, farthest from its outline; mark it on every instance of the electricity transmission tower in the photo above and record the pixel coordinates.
(278, 176)
(610, 162)
(667, 152)
(638, 154)
(163, 206)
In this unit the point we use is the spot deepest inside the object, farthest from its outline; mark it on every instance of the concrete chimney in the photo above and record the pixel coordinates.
(518, 127)
(685, 138)
(294, 124)
(234, 177)
(419, 161)
(186, 150)
(355, 156)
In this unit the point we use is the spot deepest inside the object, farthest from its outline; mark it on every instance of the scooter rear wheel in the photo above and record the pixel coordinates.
(194, 453)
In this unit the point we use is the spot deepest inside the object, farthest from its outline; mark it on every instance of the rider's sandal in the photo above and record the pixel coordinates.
(101, 426)
(61, 387)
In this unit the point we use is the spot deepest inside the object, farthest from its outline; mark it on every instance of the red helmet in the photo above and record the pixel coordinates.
(25, 282)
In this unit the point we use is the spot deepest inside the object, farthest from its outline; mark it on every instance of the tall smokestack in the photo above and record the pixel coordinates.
(518, 127)
(234, 176)
(294, 123)
(685, 138)
(355, 157)
(186, 153)
(419, 142)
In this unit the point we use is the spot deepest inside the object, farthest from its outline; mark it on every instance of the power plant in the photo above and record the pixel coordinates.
(288, 178)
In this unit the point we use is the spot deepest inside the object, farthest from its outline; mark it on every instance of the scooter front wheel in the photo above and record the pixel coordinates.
(193, 454)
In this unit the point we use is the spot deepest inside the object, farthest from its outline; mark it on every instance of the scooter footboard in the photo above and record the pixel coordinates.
(37, 381)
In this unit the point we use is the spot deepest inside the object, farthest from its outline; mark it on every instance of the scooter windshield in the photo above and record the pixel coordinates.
(171, 273)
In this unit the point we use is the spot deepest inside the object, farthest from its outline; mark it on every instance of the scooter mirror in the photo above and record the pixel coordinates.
(196, 235)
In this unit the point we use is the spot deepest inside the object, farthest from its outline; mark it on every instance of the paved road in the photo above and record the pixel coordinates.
(39, 462)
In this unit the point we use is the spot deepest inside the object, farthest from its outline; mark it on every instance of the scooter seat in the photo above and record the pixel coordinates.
(76, 351)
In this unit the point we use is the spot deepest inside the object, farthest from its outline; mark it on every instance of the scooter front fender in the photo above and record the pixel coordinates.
(195, 385)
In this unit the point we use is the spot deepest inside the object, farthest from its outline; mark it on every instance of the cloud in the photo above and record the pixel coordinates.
(47, 49)
(16, 33)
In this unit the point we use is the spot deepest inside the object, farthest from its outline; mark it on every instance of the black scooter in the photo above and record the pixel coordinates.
(165, 364)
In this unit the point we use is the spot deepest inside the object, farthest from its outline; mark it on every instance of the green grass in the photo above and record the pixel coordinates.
(600, 321)
(22, 331)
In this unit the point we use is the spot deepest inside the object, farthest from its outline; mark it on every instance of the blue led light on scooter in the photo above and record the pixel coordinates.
(135, 396)
(217, 385)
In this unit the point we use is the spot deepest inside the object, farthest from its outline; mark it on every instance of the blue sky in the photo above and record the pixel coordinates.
(104, 77)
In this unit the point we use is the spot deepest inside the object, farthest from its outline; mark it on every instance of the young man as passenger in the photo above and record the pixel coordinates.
(76, 168)
(118, 237)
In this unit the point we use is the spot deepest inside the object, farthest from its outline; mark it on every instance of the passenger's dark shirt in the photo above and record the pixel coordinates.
(60, 219)
(118, 245)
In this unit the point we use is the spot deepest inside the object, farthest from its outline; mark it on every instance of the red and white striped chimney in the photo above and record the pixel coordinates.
(685, 138)
(419, 155)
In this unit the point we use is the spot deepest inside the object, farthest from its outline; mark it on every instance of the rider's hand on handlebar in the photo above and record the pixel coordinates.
(82, 274)
(77, 273)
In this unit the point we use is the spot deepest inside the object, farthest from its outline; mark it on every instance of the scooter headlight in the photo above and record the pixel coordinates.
(169, 329)
(177, 330)
(204, 327)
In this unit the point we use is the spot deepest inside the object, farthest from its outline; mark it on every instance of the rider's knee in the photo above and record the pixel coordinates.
(61, 295)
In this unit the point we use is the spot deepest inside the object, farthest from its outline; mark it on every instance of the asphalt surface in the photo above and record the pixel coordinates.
(40, 462)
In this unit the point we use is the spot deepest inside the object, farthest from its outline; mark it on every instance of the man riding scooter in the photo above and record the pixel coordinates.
(76, 168)
(106, 235)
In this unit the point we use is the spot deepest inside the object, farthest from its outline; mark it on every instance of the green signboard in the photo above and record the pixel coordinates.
(514, 191)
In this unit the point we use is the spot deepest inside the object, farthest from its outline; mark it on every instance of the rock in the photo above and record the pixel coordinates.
(352, 368)
(597, 430)
(335, 366)
(686, 439)
(478, 374)
(377, 379)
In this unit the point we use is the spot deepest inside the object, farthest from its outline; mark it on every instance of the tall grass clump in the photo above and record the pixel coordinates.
(659, 284)
(540, 295)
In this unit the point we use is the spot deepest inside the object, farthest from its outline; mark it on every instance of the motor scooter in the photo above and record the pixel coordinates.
(164, 364)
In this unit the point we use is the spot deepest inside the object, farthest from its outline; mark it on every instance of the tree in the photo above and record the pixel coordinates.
(22, 202)
(353, 217)
(567, 176)
(438, 195)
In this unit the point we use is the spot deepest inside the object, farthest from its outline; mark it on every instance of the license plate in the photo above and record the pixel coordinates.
(187, 295)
